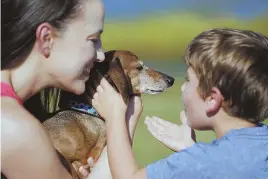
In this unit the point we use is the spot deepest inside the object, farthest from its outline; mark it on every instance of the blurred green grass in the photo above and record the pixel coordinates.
(167, 106)
(166, 36)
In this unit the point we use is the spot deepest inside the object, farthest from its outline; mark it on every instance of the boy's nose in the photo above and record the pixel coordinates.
(182, 87)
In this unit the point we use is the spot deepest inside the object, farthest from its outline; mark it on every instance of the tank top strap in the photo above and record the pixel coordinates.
(8, 91)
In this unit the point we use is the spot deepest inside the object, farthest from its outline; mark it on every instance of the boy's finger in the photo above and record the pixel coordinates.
(99, 76)
(161, 121)
(91, 91)
(154, 132)
(105, 84)
(95, 84)
(183, 118)
(99, 88)
(156, 125)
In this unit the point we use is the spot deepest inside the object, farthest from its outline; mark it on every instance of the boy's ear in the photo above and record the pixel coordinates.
(213, 102)
(44, 38)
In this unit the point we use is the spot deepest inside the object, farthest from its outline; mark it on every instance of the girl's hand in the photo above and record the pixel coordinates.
(108, 103)
(171, 135)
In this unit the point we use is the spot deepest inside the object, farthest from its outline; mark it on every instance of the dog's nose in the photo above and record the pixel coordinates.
(170, 80)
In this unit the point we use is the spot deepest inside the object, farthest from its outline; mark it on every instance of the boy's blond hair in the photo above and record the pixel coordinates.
(236, 62)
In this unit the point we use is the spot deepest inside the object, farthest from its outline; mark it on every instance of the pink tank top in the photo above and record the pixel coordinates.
(7, 90)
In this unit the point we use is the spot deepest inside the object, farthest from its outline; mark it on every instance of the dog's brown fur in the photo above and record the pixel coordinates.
(78, 136)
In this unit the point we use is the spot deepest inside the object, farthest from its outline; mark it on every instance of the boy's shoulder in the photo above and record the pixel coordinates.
(244, 143)
(240, 152)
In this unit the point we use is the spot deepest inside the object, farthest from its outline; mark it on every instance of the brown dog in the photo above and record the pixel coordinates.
(79, 136)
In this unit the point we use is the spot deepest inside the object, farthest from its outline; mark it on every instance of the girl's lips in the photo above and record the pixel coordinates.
(87, 70)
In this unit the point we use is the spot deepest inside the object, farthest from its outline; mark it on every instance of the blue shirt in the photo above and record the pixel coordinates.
(240, 154)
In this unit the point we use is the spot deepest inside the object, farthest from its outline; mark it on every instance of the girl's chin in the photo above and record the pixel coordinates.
(78, 88)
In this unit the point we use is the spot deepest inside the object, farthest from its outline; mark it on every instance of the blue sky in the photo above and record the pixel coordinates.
(123, 9)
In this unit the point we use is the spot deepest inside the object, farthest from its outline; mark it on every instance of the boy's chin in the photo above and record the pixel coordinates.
(198, 126)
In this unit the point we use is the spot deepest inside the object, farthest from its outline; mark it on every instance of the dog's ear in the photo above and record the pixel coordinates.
(119, 78)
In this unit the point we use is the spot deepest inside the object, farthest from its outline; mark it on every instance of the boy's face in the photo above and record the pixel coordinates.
(194, 105)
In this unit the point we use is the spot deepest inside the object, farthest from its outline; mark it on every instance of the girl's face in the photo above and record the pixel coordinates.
(77, 48)
(195, 106)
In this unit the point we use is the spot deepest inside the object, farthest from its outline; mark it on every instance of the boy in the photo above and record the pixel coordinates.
(226, 91)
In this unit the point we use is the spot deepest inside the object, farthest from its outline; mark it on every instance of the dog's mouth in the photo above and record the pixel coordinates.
(151, 91)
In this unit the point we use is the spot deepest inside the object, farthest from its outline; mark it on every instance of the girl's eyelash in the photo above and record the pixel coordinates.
(94, 40)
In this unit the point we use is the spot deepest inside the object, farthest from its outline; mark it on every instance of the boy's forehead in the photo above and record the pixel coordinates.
(190, 70)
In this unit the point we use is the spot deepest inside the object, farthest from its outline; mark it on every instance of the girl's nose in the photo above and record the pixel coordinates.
(100, 54)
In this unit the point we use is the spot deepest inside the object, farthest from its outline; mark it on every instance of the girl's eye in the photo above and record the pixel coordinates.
(186, 79)
(94, 40)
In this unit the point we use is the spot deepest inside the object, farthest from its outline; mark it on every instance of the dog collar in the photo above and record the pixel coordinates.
(86, 108)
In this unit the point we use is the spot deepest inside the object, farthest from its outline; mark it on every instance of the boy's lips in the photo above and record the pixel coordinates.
(185, 111)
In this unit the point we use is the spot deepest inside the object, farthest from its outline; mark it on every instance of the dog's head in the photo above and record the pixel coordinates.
(129, 76)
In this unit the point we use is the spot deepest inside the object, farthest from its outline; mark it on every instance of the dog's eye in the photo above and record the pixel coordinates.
(139, 68)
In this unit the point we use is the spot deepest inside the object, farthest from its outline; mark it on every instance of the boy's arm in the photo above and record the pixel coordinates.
(102, 169)
(121, 159)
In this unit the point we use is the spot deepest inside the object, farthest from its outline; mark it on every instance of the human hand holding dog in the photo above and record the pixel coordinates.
(176, 137)
(109, 104)
(101, 169)
(121, 120)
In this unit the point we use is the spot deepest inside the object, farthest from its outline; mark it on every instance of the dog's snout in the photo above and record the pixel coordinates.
(169, 80)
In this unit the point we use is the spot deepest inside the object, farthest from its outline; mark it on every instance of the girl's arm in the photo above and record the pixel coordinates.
(26, 149)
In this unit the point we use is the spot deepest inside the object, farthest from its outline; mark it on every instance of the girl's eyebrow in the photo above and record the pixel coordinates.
(96, 34)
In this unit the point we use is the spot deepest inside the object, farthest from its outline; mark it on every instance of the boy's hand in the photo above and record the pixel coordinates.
(108, 103)
(171, 135)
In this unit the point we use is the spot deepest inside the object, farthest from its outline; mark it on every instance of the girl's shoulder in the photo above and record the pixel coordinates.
(18, 126)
